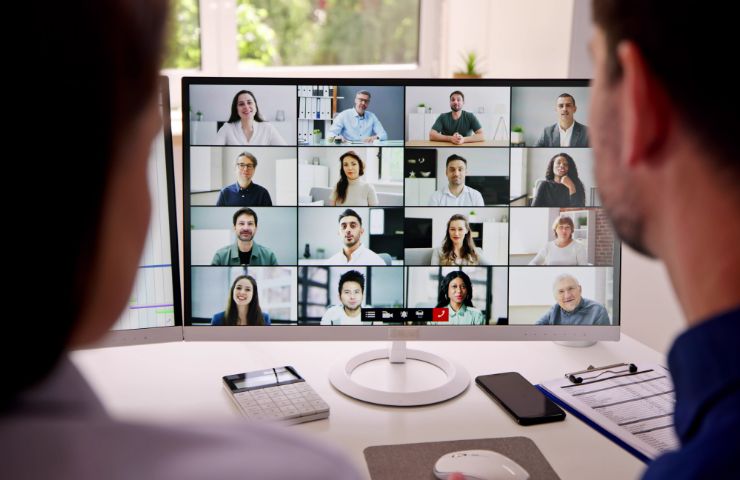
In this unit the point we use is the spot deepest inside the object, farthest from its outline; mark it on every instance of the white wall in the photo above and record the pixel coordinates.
(215, 103)
(534, 108)
(530, 230)
(537, 159)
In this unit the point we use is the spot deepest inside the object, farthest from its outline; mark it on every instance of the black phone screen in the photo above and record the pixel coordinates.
(520, 398)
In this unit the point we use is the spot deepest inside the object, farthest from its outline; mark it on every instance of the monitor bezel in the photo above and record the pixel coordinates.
(382, 332)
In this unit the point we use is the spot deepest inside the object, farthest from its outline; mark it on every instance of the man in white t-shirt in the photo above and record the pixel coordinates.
(351, 289)
(353, 252)
(456, 193)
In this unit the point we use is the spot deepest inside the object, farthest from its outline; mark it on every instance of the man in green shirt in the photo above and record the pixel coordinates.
(457, 126)
(245, 251)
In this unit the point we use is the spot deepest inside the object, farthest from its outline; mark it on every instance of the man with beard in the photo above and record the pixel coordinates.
(351, 290)
(357, 124)
(457, 126)
(566, 132)
(456, 193)
(245, 251)
(667, 165)
(353, 252)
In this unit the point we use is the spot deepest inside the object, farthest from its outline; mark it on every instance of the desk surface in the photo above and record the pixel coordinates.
(181, 382)
(429, 143)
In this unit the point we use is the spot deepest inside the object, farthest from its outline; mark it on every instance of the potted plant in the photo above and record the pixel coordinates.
(470, 66)
(317, 136)
(421, 108)
(517, 135)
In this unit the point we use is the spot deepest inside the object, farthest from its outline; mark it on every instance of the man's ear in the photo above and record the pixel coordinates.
(646, 109)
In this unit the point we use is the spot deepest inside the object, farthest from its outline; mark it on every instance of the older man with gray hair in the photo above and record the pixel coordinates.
(572, 308)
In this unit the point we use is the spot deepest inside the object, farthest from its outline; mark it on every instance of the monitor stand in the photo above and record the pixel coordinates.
(575, 343)
(457, 378)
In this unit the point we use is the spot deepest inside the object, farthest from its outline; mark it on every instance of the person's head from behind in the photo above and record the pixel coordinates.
(243, 295)
(561, 165)
(566, 108)
(244, 107)
(245, 166)
(362, 101)
(350, 228)
(115, 53)
(458, 236)
(640, 118)
(563, 228)
(351, 289)
(455, 290)
(245, 224)
(457, 100)
(456, 170)
(351, 168)
(567, 292)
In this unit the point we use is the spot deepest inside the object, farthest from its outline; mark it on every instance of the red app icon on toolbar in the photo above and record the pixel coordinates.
(441, 314)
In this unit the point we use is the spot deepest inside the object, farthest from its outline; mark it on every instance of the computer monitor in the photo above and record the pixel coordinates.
(293, 186)
(154, 313)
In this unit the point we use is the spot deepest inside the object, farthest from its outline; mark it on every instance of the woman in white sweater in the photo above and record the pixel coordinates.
(246, 126)
(351, 189)
(564, 250)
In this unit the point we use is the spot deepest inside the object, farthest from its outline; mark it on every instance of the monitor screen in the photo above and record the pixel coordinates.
(154, 311)
(370, 206)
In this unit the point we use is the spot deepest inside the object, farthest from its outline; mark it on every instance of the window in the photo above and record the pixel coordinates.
(183, 44)
(391, 164)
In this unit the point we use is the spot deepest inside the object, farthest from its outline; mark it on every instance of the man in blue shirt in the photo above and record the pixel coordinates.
(572, 308)
(358, 124)
(666, 162)
(244, 193)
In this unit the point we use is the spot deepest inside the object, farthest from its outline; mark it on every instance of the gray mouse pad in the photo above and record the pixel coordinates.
(415, 461)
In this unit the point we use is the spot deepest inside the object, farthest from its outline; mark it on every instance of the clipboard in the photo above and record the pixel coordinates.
(632, 406)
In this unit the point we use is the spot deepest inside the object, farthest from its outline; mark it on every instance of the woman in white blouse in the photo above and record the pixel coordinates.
(564, 250)
(351, 188)
(246, 126)
(458, 247)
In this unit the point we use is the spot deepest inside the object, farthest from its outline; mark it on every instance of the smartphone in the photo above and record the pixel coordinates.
(520, 398)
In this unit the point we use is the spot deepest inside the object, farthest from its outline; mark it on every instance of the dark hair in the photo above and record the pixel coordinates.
(454, 157)
(235, 115)
(569, 96)
(343, 182)
(244, 211)
(112, 58)
(457, 92)
(572, 173)
(364, 92)
(670, 53)
(443, 300)
(468, 247)
(254, 312)
(351, 276)
(349, 213)
(249, 156)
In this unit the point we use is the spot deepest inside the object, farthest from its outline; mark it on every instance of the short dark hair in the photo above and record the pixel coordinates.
(457, 92)
(350, 213)
(351, 276)
(244, 211)
(454, 157)
(672, 55)
(364, 92)
(249, 156)
(569, 96)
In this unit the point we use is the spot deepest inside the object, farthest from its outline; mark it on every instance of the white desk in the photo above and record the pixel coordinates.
(181, 382)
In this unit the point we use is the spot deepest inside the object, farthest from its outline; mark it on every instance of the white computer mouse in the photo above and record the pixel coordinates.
(479, 465)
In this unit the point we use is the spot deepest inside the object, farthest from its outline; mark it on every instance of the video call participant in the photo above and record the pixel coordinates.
(246, 126)
(561, 187)
(572, 308)
(353, 252)
(352, 189)
(458, 247)
(456, 294)
(566, 132)
(245, 251)
(242, 305)
(351, 289)
(667, 170)
(456, 193)
(564, 250)
(244, 193)
(46, 402)
(358, 124)
(457, 126)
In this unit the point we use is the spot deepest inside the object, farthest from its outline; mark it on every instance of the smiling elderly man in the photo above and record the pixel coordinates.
(572, 308)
